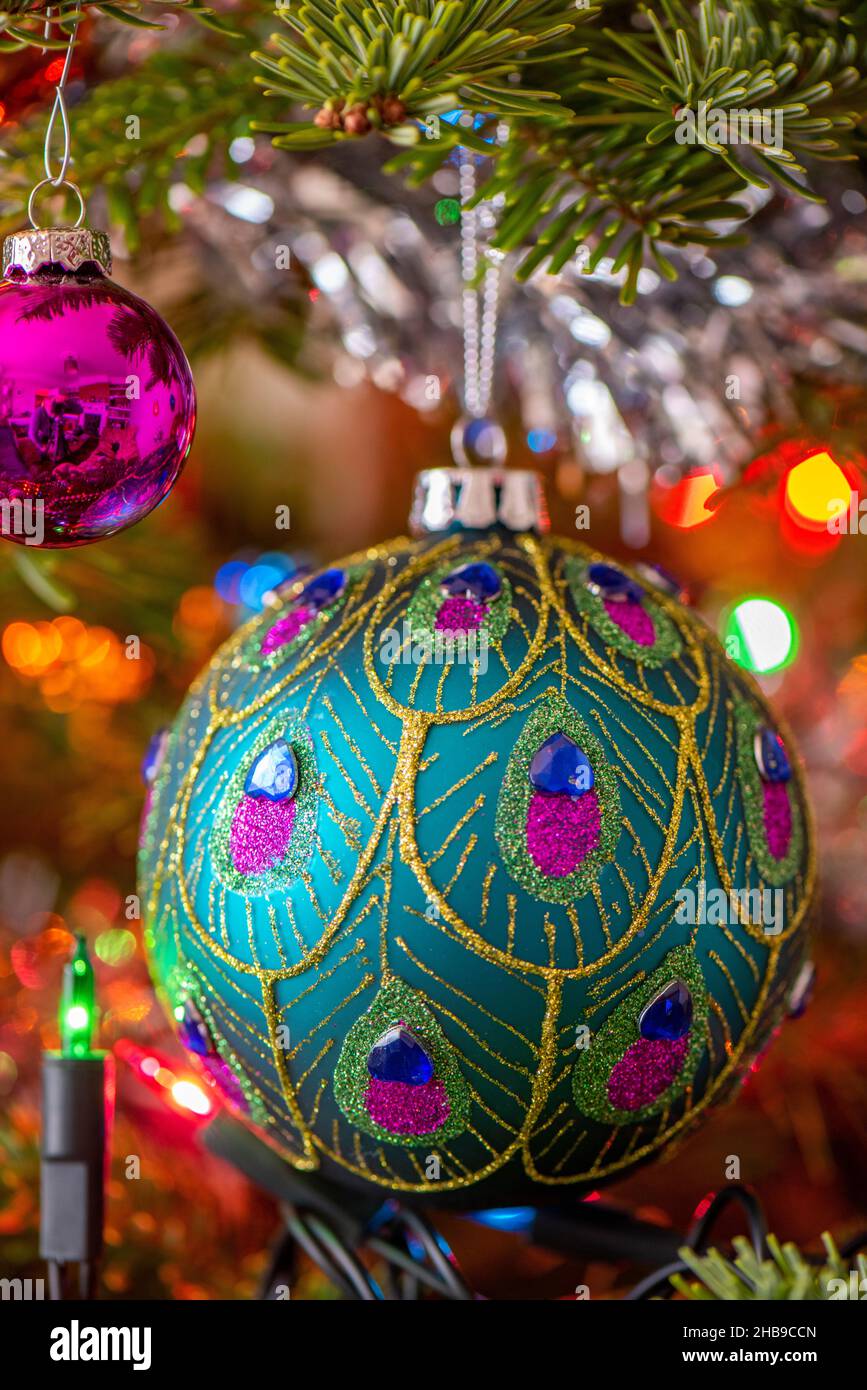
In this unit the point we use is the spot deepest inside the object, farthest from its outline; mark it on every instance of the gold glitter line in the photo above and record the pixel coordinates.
(364, 983)
(356, 751)
(344, 773)
(480, 767)
(468, 999)
(721, 965)
(323, 1051)
(456, 830)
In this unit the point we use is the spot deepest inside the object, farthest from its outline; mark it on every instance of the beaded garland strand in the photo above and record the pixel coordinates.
(413, 872)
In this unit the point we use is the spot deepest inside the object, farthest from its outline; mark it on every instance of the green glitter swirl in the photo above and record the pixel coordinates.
(252, 655)
(292, 728)
(185, 985)
(396, 1002)
(774, 871)
(667, 646)
(552, 716)
(593, 1068)
(427, 601)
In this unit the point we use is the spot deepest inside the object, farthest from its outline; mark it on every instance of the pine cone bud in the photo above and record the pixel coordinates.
(393, 111)
(327, 119)
(355, 122)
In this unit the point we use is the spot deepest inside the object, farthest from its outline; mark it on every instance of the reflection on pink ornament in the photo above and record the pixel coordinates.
(97, 403)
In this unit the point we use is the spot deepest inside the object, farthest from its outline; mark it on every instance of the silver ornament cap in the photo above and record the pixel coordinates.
(68, 249)
(472, 499)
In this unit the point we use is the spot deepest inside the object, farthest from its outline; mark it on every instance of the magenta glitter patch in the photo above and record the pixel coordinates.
(404, 1109)
(778, 818)
(646, 1069)
(634, 620)
(226, 1080)
(562, 830)
(460, 615)
(260, 834)
(285, 629)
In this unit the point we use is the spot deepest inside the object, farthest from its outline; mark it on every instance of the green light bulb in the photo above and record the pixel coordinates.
(77, 1003)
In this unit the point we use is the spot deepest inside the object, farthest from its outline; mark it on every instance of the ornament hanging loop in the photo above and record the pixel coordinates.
(56, 185)
(59, 109)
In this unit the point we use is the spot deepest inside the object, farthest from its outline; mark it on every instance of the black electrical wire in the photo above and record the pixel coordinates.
(699, 1233)
(328, 1252)
(698, 1238)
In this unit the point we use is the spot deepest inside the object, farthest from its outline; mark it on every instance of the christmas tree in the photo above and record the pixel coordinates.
(626, 148)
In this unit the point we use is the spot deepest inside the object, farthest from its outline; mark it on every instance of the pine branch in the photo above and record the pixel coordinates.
(22, 22)
(786, 1276)
(595, 157)
(186, 108)
(393, 66)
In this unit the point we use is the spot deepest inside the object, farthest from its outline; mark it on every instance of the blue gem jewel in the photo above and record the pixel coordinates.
(607, 581)
(399, 1056)
(663, 579)
(669, 1015)
(560, 766)
(477, 581)
(154, 754)
(771, 757)
(193, 1030)
(274, 774)
(323, 588)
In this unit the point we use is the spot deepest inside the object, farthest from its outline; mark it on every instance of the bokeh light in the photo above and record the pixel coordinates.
(74, 663)
(685, 502)
(817, 491)
(760, 635)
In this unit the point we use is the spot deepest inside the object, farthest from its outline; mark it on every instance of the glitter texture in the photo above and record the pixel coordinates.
(633, 619)
(618, 1056)
(285, 629)
(460, 615)
(261, 833)
(626, 634)
(403, 1109)
(428, 612)
(778, 818)
(399, 1119)
(275, 639)
(410, 866)
(218, 1064)
(537, 839)
(256, 853)
(562, 830)
(647, 1068)
(778, 858)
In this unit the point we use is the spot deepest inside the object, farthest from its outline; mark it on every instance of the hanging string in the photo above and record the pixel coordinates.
(61, 111)
(480, 303)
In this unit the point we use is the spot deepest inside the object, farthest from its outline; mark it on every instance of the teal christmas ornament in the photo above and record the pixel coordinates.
(472, 867)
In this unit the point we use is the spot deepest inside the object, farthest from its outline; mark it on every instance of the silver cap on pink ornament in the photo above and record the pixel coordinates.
(65, 250)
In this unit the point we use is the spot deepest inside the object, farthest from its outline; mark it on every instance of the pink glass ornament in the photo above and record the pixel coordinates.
(97, 403)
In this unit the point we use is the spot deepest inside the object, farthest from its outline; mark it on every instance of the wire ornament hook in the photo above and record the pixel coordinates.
(55, 184)
(59, 108)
